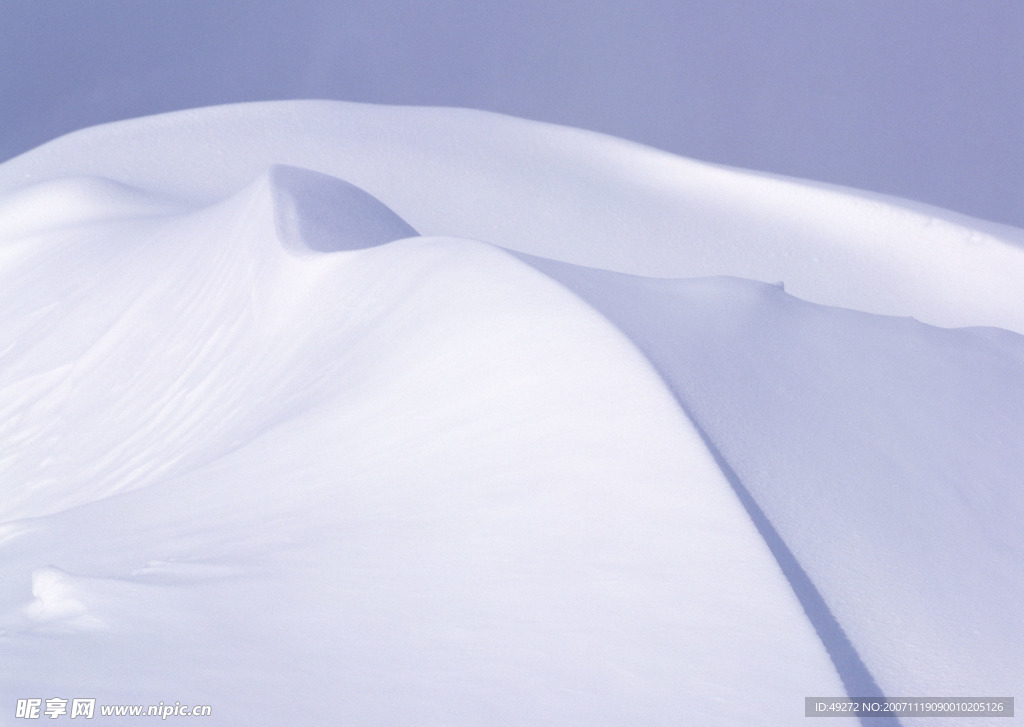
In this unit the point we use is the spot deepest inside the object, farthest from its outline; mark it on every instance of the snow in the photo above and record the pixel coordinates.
(816, 411)
(574, 196)
(563, 456)
(322, 213)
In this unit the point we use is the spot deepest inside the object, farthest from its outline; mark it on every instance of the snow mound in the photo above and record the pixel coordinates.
(420, 469)
(445, 483)
(322, 213)
(58, 605)
(224, 278)
(67, 202)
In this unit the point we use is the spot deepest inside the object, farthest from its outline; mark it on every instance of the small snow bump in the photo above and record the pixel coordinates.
(68, 201)
(57, 601)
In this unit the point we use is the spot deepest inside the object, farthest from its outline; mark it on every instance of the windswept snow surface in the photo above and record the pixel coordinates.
(265, 447)
(887, 455)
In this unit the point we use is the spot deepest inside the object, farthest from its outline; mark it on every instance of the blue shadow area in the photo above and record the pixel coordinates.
(644, 310)
(856, 678)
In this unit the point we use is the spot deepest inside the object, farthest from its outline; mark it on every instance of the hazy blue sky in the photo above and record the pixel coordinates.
(920, 98)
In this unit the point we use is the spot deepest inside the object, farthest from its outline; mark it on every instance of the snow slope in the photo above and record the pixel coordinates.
(256, 432)
(884, 453)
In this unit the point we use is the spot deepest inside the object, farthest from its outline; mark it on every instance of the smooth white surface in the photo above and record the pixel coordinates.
(575, 196)
(419, 481)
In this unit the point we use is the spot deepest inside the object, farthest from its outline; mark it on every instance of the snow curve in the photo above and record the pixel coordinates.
(420, 469)
(574, 196)
(426, 468)
(815, 411)
(72, 201)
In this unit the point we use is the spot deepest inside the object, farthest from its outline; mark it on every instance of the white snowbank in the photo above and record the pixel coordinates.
(420, 478)
(265, 448)
(575, 196)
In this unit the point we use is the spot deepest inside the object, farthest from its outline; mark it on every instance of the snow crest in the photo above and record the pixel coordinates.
(323, 213)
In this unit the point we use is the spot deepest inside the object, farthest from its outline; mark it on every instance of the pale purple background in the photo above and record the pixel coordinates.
(919, 98)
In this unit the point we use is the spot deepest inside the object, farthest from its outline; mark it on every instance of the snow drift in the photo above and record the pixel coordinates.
(266, 447)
